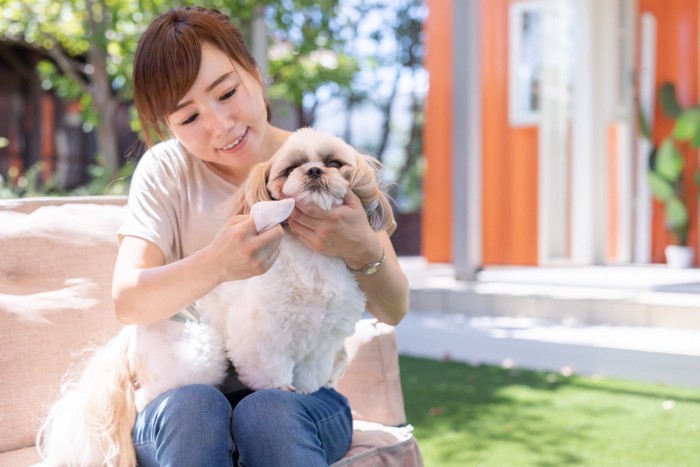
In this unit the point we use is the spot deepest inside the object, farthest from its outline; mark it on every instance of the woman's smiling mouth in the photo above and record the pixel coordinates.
(235, 144)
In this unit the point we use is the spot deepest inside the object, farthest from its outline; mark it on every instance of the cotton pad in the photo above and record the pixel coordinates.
(269, 213)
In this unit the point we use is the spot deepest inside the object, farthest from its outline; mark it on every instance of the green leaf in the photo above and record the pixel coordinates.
(688, 125)
(661, 189)
(676, 214)
(669, 163)
(667, 98)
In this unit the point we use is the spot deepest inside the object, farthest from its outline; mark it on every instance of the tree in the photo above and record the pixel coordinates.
(308, 62)
(91, 44)
(387, 40)
(408, 36)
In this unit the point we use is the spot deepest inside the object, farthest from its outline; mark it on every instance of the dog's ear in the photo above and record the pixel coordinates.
(236, 204)
(255, 186)
(366, 184)
(251, 191)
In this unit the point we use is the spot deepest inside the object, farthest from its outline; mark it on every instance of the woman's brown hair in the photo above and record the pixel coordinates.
(168, 57)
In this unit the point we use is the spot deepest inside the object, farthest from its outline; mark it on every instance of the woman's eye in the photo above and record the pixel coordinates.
(334, 164)
(189, 120)
(228, 94)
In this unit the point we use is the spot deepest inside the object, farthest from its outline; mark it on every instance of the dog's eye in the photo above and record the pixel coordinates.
(334, 164)
(289, 170)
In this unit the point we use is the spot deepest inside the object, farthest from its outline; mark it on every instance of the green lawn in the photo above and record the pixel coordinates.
(488, 416)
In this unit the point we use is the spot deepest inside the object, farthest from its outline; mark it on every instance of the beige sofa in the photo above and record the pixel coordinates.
(56, 260)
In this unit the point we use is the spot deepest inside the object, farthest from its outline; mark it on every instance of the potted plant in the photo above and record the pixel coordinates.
(666, 176)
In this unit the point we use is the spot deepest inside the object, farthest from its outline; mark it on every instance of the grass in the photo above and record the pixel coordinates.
(489, 416)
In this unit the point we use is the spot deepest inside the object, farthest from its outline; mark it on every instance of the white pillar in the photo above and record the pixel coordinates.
(466, 141)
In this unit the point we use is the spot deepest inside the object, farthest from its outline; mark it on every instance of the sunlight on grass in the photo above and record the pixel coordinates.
(488, 416)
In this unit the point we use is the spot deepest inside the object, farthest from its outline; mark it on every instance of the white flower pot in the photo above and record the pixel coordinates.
(679, 256)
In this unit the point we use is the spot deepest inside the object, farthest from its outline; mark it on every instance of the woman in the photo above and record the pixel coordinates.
(195, 81)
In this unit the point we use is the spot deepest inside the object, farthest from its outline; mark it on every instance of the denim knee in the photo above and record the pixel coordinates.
(198, 406)
(275, 427)
(256, 413)
(190, 424)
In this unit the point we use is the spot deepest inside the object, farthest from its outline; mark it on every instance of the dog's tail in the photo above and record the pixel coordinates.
(91, 423)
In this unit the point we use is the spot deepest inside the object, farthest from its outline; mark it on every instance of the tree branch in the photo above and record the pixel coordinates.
(65, 62)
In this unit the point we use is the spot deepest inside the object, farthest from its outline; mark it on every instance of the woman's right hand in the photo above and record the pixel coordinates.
(238, 251)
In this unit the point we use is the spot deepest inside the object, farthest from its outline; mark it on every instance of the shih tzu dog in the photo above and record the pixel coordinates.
(283, 329)
(286, 328)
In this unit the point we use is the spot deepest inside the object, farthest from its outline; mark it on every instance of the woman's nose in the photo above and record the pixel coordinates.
(220, 122)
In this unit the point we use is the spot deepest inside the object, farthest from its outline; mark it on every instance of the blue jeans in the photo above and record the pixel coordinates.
(197, 425)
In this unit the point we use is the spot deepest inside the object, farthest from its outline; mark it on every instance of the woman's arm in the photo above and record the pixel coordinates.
(386, 289)
(146, 290)
(345, 232)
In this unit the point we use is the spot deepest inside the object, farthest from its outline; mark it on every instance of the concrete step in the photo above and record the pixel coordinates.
(655, 355)
(648, 296)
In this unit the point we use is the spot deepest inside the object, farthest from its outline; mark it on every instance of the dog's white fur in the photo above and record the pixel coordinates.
(283, 329)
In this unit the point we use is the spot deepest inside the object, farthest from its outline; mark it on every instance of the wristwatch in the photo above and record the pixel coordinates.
(370, 268)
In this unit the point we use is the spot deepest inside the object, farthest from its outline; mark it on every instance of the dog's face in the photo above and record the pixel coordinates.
(313, 168)
(316, 167)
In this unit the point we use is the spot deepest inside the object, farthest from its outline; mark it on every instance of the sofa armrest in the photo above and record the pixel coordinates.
(371, 381)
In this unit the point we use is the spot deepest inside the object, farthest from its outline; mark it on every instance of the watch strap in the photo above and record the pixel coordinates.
(371, 267)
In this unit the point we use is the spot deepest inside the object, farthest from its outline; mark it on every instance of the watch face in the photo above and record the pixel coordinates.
(372, 268)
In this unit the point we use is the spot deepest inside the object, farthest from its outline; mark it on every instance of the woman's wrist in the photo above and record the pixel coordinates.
(207, 262)
(372, 267)
(365, 257)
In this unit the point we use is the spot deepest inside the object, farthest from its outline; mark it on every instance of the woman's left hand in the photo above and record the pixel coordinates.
(343, 231)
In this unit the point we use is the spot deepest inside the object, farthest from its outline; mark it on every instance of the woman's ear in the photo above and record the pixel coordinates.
(365, 183)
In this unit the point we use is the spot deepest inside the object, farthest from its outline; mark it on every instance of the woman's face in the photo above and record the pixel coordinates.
(222, 119)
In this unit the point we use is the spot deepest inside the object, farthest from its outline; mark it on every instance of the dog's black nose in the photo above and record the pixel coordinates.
(314, 172)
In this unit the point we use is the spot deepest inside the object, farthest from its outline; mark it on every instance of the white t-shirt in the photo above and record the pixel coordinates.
(178, 203)
(175, 201)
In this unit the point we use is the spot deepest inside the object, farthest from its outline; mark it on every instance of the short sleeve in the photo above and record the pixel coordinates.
(153, 197)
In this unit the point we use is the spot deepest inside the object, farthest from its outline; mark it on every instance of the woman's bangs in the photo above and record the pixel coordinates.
(179, 71)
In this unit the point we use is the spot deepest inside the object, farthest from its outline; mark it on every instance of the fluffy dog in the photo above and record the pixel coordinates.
(283, 329)
(305, 306)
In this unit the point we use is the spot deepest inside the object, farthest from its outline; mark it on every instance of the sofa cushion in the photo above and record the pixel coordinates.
(20, 458)
(55, 283)
(374, 444)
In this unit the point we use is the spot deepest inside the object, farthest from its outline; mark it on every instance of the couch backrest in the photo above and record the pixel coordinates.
(372, 380)
(56, 262)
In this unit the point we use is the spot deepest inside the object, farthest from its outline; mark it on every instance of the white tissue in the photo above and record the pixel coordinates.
(269, 213)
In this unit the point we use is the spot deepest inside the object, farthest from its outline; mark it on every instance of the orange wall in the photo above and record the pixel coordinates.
(676, 61)
(436, 235)
(509, 155)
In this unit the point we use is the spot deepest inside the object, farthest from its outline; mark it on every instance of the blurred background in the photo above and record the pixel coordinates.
(514, 132)
(69, 127)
